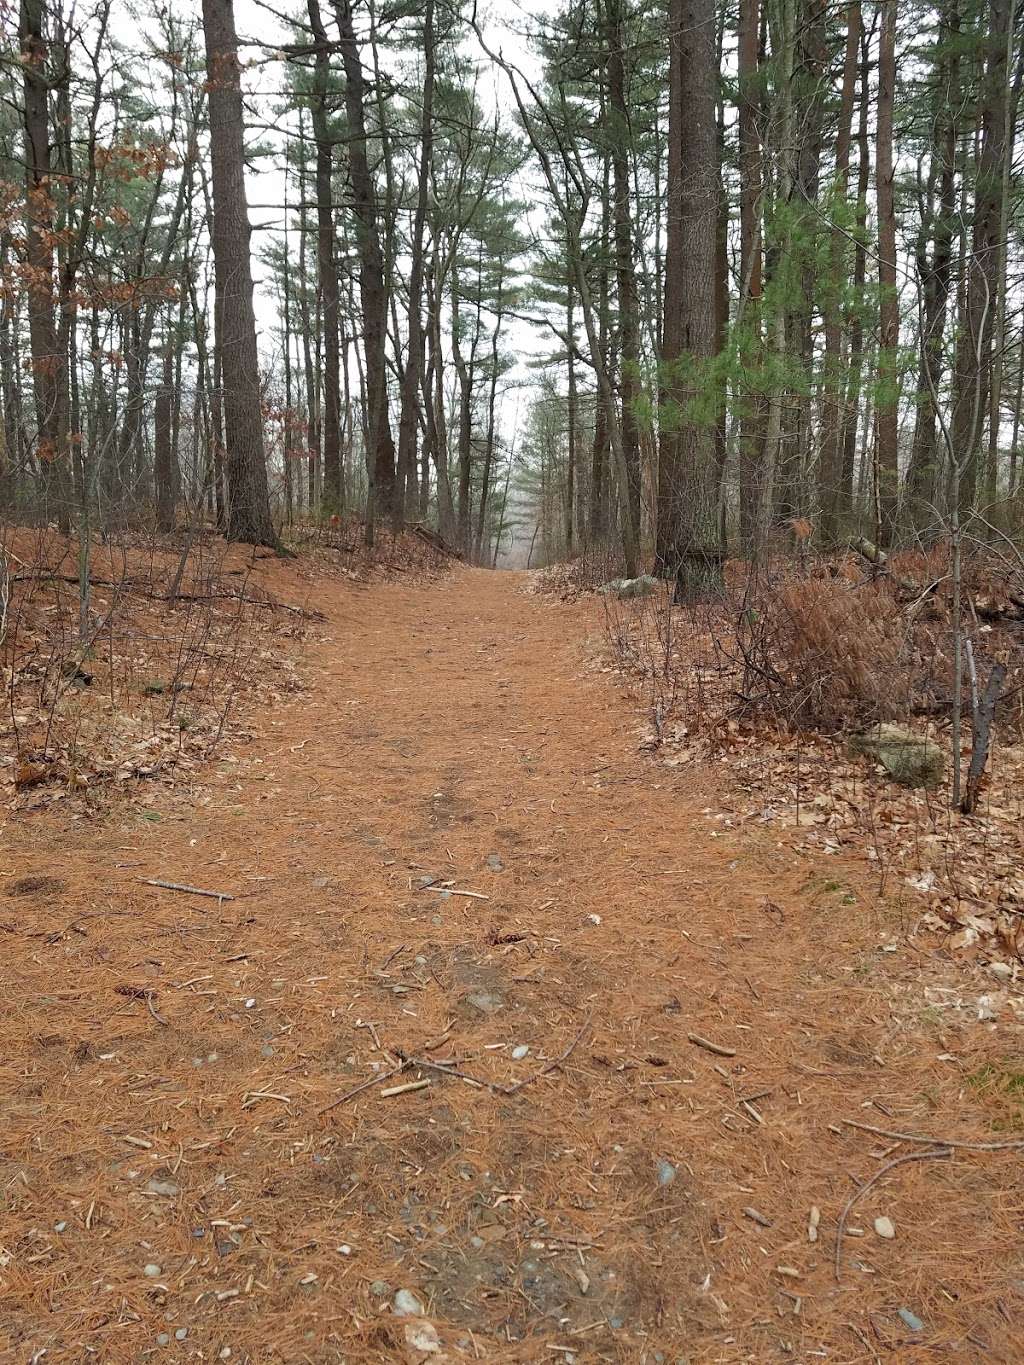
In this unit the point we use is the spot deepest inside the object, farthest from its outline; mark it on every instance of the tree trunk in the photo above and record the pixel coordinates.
(933, 280)
(974, 350)
(834, 390)
(752, 425)
(688, 545)
(411, 375)
(887, 405)
(249, 517)
(48, 360)
(327, 268)
(372, 291)
(618, 121)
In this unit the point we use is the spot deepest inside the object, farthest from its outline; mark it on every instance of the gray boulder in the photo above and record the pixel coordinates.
(630, 587)
(910, 759)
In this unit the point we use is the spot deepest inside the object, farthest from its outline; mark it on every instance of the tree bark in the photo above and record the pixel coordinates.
(327, 268)
(887, 404)
(48, 358)
(688, 545)
(372, 291)
(249, 517)
(410, 410)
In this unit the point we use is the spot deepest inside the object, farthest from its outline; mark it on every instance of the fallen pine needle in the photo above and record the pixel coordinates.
(188, 890)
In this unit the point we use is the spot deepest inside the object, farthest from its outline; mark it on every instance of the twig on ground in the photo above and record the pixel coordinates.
(449, 1069)
(153, 1010)
(717, 1048)
(404, 1089)
(551, 1066)
(938, 1153)
(455, 891)
(936, 1141)
(351, 1094)
(188, 890)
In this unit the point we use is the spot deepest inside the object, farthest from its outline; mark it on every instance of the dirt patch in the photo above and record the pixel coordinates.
(227, 1121)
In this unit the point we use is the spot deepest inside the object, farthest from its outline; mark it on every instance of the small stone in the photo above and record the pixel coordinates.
(666, 1173)
(487, 1002)
(476, 1241)
(344, 1249)
(911, 1320)
(422, 1336)
(162, 1339)
(59, 1227)
(181, 1334)
(518, 1053)
(885, 1227)
(380, 1289)
(225, 1352)
(151, 1271)
(168, 1188)
(1001, 969)
(250, 1003)
(406, 1304)
(266, 1050)
(495, 863)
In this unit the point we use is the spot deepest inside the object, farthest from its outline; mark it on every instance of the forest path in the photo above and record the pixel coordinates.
(462, 731)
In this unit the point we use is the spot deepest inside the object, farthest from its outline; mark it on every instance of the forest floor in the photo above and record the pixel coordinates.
(449, 845)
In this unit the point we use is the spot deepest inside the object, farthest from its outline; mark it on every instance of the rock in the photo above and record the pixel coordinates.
(666, 1173)
(59, 1227)
(495, 863)
(380, 1289)
(163, 1339)
(911, 1320)
(181, 1334)
(518, 1053)
(910, 759)
(1001, 969)
(422, 1336)
(487, 1002)
(168, 1188)
(151, 1271)
(406, 1304)
(629, 587)
(885, 1227)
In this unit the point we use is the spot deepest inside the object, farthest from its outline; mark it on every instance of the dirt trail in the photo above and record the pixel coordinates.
(167, 1060)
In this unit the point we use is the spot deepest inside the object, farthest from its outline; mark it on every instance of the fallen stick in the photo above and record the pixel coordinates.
(350, 1094)
(717, 1048)
(189, 890)
(936, 1141)
(551, 1066)
(454, 891)
(404, 1089)
(154, 1011)
(938, 1153)
(450, 1069)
